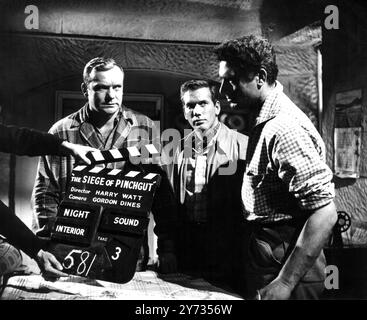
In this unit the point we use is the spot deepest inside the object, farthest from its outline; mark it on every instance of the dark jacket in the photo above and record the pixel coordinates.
(213, 247)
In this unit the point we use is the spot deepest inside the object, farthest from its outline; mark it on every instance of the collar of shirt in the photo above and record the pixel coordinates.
(270, 107)
(124, 121)
(202, 142)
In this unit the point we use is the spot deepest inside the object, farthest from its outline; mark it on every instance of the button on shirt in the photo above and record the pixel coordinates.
(286, 171)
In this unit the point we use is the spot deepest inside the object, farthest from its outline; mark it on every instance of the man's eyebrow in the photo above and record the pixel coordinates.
(197, 102)
(103, 85)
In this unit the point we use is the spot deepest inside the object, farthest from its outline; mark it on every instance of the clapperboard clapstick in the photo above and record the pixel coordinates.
(114, 172)
(114, 155)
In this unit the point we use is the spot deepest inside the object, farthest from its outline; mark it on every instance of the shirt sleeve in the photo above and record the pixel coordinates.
(299, 157)
(25, 141)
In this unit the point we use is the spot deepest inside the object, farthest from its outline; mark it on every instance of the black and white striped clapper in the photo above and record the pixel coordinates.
(101, 171)
(124, 154)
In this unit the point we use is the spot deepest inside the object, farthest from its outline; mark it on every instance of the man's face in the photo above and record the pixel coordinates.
(104, 91)
(199, 109)
(242, 93)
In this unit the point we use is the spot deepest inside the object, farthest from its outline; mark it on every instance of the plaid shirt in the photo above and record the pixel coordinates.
(286, 173)
(54, 172)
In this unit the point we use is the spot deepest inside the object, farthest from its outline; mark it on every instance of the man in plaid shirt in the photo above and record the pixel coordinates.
(287, 191)
(103, 123)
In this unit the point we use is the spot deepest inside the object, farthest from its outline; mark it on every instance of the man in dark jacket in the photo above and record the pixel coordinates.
(206, 179)
(23, 141)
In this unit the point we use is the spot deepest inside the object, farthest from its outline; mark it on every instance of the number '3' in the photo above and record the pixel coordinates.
(117, 253)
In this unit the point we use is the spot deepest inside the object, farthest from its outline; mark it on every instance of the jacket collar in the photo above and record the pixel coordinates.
(222, 145)
(220, 152)
(218, 155)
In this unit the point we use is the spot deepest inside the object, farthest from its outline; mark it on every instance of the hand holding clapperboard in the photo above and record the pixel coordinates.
(101, 222)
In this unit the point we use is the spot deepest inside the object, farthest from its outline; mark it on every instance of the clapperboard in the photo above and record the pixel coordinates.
(101, 222)
(133, 154)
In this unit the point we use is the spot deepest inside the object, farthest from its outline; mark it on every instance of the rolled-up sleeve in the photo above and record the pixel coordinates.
(300, 159)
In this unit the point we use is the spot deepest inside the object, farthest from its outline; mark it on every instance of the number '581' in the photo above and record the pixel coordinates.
(82, 261)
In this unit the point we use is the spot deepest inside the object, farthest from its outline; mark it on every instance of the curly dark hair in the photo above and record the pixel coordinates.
(249, 54)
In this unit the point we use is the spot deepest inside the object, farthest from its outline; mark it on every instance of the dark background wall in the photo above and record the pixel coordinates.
(345, 68)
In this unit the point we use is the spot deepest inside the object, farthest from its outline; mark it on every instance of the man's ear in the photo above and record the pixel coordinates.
(84, 89)
(217, 107)
(262, 77)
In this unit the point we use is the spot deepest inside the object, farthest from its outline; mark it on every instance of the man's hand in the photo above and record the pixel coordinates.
(167, 263)
(76, 150)
(50, 267)
(275, 290)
